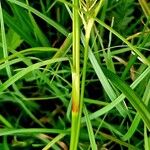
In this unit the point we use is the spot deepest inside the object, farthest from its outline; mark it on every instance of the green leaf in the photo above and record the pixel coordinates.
(48, 20)
(131, 96)
(90, 129)
(23, 72)
(31, 131)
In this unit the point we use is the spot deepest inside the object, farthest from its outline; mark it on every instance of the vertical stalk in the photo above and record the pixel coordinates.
(77, 99)
(75, 76)
(88, 24)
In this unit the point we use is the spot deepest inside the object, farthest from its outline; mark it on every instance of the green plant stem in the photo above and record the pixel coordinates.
(75, 77)
(145, 8)
(77, 105)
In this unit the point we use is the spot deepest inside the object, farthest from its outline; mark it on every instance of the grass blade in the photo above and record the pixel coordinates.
(90, 129)
(131, 96)
(105, 83)
(31, 131)
(45, 18)
(20, 74)
(56, 139)
(143, 59)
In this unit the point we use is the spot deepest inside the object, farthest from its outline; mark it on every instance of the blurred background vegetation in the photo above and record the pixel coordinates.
(35, 75)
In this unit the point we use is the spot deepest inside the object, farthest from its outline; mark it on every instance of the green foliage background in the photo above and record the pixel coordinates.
(36, 67)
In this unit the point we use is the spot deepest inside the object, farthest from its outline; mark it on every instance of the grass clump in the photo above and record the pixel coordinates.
(74, 75)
